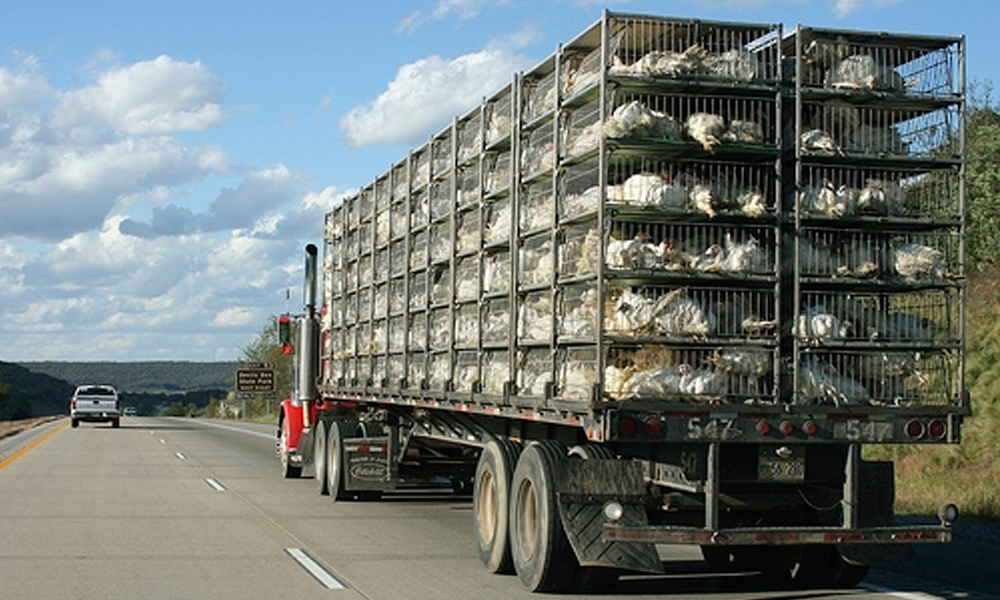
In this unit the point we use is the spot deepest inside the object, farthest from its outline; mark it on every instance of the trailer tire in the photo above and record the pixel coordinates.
(843, 574)
(490, 502)
(543, 558)
(319, 457)
(288, 471)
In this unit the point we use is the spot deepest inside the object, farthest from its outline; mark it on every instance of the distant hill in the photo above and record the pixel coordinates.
(156, 377)
(30, 394)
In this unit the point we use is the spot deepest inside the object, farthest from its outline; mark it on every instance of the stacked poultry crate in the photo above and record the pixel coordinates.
(666, 220)
(877, 212)
(670, 211)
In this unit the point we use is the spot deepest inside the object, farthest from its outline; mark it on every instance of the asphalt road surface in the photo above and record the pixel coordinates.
(185, 508)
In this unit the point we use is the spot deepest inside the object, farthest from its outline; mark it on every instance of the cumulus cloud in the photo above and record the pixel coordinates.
(68, 157)
(162, 95)
(426, 94)
(234, 208)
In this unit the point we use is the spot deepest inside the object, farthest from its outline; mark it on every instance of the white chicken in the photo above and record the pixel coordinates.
(741, 257)
(752, 203)
(700, 382)
(712, 260)
(655, 383)
(630, 254)
(743, 362)
(817, 141)
(706, 129)
(670, 64)
(703, 199)
(631, 314)
(918, 262)
(862, 72)
(732, 64)
(634, 119)
(821, 382)
(816, 325)
(649, 189)
(743, 132)
(676, 314)
(881, 197)
(827, 200)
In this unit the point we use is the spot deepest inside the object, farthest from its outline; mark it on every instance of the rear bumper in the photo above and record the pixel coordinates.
(97, 416)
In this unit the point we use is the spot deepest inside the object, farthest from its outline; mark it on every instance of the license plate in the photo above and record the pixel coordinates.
(786, 463)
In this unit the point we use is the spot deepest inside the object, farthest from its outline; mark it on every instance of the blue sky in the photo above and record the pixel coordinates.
(162, 163)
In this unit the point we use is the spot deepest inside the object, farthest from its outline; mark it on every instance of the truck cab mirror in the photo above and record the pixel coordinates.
(285, 334)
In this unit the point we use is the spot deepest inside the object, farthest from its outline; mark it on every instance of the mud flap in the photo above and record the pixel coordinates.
(583, 487)
(875, 509)
(366, 464)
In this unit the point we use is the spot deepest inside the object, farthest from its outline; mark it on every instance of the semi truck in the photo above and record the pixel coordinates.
(670, 286)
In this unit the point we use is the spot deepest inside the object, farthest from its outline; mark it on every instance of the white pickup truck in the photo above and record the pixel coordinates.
(95, 403)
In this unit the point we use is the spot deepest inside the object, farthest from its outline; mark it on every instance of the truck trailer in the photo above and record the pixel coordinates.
(663, 288)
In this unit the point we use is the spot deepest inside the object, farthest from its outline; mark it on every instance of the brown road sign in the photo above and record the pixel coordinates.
(254, 380)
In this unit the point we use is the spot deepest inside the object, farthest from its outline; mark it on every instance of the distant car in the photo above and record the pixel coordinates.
(130, 411)
(95, 403)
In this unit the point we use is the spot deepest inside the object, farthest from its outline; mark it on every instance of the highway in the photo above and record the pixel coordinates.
(188, 508)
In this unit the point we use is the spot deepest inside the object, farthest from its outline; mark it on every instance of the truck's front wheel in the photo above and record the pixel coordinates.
(288, 471)
(543, 557)
(490, 502)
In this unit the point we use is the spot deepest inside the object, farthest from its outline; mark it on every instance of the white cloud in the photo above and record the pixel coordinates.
(157, 96)
(425, 95)
(446, 9)
(67, 158)
(846, 8)
(234, 208)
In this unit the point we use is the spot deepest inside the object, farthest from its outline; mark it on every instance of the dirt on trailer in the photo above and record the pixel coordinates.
(9, 428)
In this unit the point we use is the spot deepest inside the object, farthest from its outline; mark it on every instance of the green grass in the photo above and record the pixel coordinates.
(967, 474)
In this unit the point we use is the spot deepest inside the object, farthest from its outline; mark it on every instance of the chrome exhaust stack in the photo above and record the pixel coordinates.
(308, 350)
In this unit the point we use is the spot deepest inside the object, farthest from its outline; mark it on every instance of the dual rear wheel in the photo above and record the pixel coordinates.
(517, 524)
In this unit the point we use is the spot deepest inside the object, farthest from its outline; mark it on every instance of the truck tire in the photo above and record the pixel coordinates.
(74, 423)
(288, 470)
(338, 432)
(116, 423)
(543, 558)
(319, 457)
(490, 502)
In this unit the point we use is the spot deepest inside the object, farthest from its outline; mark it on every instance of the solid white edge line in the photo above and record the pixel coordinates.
(215, 484)
(879, 589)
(324, 577)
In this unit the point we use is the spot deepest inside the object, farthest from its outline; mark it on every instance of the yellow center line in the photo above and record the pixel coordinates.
(31, 446)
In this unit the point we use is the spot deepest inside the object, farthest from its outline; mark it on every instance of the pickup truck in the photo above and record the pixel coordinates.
(95, 403)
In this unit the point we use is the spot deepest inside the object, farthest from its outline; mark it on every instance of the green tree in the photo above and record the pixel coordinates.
(265, 348)
(982, 135)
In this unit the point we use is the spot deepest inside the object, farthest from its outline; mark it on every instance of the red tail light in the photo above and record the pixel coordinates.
(627, 426)
(915, 429)
(937, 429)
(652, 426)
